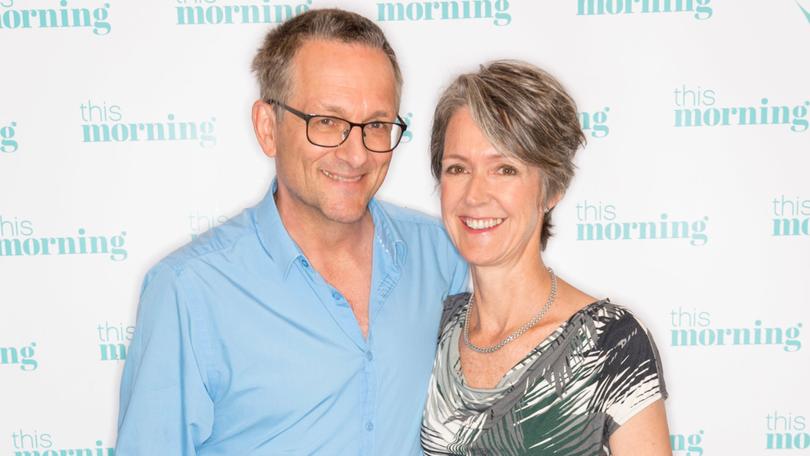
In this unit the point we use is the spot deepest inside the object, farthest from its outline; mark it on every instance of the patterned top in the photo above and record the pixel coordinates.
(566, 397)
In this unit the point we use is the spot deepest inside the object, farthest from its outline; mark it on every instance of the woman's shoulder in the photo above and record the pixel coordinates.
(606, 312)
(620, 333)
(615, 325)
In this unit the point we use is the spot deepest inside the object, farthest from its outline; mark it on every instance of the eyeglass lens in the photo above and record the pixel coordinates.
(330, 132)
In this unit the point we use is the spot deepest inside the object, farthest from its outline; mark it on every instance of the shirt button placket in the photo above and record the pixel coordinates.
(368, 413)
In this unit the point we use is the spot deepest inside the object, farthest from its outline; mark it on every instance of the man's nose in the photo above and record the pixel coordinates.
(353, 151)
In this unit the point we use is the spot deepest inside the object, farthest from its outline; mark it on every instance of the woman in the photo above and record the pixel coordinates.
(527, 364)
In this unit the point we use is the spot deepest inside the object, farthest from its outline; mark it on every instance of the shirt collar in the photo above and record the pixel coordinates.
(386, 234)
(273, 235)
(280, 247)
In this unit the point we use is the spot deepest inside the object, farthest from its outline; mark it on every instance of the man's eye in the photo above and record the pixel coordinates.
(326, 122)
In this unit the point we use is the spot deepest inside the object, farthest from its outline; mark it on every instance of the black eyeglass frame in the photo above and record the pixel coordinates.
(306, 117)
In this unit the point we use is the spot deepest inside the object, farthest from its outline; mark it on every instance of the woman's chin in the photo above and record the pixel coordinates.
(480, 259)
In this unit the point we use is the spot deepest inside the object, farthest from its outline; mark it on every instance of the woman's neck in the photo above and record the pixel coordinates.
(507, 296)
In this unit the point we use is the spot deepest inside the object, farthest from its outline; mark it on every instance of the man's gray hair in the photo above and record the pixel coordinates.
(273, 61)
(525, 113)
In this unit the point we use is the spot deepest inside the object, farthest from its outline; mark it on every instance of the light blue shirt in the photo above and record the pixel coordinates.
(242, 348)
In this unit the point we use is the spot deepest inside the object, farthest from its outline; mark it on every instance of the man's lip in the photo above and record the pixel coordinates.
(342, 177)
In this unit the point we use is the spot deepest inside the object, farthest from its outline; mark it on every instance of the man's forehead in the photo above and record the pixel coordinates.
(334, 76)
(319, 51)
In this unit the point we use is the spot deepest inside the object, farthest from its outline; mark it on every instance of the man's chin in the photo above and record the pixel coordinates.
(346, 213)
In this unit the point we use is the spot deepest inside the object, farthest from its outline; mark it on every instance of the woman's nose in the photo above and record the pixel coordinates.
(478, 190)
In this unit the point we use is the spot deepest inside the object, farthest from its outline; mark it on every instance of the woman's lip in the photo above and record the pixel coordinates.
(481, 224)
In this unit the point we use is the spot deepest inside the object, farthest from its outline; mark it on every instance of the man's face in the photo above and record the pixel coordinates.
(351, 81)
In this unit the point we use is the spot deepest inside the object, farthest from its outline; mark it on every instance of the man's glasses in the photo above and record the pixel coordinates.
(331, 131)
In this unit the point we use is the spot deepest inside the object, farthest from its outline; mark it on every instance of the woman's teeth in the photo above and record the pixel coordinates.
(481, 224)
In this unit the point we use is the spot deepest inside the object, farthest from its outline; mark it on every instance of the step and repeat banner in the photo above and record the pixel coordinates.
(125, 133)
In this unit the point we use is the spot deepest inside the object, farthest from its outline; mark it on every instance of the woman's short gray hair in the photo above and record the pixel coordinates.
(525, 112)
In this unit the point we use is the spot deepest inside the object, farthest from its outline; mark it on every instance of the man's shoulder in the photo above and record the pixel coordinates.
(218, 242)
(415, 227)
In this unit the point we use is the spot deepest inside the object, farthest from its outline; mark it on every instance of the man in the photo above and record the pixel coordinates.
(307, 324)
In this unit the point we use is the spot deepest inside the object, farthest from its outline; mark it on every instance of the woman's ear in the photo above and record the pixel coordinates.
(552, 202)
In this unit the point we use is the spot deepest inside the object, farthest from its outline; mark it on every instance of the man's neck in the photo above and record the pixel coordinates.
(320, 238)
(340, 252)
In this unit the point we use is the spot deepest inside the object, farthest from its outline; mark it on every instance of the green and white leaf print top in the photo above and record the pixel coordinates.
(565, 398)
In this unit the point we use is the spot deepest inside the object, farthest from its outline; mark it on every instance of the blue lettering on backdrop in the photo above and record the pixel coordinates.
(17, 239)
(7, 142)
(212, 13)
(791, 216)
(595, 123)
(37, 443)
(598, 222)
(786, 431)
(695, 107)
(398, 11)
(61, 16)
(23, 356)
(691, 328)
(407, 136)
(114, 341)
(701, 8)
(687, 445)
(103, 123)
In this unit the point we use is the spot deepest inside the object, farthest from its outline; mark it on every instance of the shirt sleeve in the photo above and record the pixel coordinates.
(633, 378)
(164, 404)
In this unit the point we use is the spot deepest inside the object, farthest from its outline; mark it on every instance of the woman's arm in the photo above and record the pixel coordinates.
(646, 433)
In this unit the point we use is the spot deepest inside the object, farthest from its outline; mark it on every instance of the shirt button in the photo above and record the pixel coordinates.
(305, 263)
(336, 295)
(369, 426)
(369, 356)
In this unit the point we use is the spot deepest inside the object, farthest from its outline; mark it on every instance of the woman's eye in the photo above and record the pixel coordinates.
(454, 169)
(507, 170)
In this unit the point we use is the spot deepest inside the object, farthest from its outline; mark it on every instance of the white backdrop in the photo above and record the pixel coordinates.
(696, 113)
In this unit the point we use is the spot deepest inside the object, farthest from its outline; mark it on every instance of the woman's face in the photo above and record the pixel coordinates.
(491, 204)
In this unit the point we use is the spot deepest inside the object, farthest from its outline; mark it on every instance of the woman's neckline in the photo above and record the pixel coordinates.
(458, 374)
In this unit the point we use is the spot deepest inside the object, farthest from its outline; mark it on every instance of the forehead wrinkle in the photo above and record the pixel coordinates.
(332, 109)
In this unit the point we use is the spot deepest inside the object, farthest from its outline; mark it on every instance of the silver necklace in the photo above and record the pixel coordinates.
(518, 332)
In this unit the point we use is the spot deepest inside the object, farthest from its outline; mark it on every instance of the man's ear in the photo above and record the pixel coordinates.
(264, 125)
